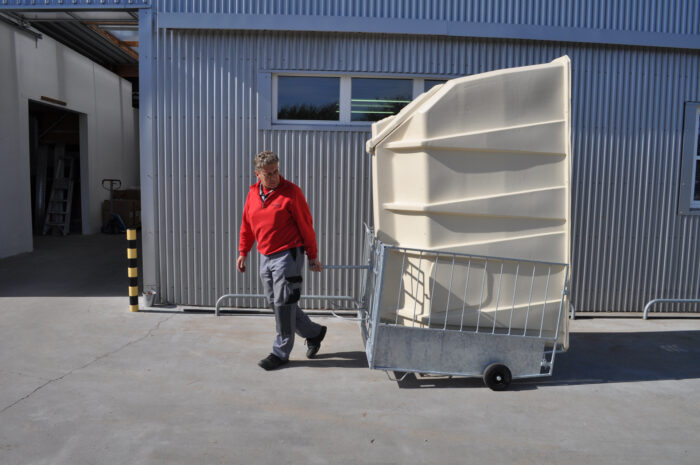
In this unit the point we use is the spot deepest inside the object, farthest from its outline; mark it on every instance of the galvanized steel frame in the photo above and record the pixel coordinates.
(467, 346)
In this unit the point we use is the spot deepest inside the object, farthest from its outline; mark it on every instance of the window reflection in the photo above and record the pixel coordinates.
(697, 180)
(308, 98)
(696, 195)
(430, 83)
(376, 98)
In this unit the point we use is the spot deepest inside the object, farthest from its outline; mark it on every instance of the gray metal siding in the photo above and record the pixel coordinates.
(206, 113)
(629, 243)
(671, 17)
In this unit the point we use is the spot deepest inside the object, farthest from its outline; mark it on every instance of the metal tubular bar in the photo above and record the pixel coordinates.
(398, 300)
(415, 295)
(372, 281)
(564, 290)
(529, 302)
(432, 289)
(512, 308)
(645, 315)
(365, 274)
(449, 292)
(464, 299)
(329, 297)
(381, 268)
(544, 305)
(262, 296)
(374, 253)
(485, 257)
(483, 280)
(551, 362)
(346, 267)
(498, 298)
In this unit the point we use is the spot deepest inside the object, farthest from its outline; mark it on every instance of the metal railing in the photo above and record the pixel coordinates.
(499, 288)
(224, 297)
(645, 314)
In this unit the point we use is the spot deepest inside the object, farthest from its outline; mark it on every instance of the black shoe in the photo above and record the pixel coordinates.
(314, 343)
(272, 362)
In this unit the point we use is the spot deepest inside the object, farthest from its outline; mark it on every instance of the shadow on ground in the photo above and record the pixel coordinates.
(595, 358)
(353, 359)
(68, 266)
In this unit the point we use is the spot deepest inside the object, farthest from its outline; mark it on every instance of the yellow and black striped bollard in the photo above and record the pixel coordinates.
(132, 259)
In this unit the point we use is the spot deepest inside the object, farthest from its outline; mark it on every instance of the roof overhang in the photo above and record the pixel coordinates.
(71, 5)
(315, 23)
(105, 31)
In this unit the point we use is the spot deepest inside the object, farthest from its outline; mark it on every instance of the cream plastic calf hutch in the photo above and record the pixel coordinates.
(470, 253)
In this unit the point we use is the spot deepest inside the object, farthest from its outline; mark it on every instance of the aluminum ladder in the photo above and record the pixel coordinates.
(58, 210)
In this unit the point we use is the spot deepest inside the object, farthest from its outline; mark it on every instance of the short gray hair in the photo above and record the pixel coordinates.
(265, 158)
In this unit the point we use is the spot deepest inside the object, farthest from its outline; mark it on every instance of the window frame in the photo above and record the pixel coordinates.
(690, 158)
(268, 99)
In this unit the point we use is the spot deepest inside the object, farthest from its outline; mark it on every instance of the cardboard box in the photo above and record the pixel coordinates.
(128, 194)
(128, 210)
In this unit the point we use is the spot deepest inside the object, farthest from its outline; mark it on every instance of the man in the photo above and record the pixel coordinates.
(277, 216)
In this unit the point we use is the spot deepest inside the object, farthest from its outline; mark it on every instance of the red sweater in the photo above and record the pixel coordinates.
(282, 223)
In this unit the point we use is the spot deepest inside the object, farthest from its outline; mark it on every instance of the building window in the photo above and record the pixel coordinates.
(696, 174)
(690, 171)
(430, 83)
(374, 98)
(308, 98)
(302, 100)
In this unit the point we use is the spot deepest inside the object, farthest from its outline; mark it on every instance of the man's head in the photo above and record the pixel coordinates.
(266, 169)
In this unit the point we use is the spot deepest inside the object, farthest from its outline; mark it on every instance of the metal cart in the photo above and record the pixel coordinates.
(445, 313)
(434, 312)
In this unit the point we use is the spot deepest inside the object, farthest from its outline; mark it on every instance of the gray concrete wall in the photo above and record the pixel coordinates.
(15, 197)
(35, 68)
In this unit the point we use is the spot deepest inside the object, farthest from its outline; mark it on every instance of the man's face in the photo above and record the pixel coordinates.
(269, 176)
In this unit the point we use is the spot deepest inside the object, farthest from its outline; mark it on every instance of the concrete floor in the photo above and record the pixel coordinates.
(84, 381)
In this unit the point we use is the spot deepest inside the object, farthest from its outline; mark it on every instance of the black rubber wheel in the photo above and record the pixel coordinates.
(497, 377)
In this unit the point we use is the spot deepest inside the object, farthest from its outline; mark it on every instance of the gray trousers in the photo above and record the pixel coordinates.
(281, 278)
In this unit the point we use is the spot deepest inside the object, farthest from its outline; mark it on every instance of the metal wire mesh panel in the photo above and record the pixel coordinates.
(472, 293)
(450, 313)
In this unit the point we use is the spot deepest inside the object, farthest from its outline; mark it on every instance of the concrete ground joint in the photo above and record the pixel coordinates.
(101, 357)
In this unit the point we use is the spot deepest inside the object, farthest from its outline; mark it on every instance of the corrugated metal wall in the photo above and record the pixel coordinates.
(629, 243)
(207, 134)
(672, 16)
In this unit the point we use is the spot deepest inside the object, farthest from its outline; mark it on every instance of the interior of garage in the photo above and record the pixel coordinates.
(54, 150)
(69, 108)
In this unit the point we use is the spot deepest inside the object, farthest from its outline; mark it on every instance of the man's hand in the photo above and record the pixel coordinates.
(240, 263)
(315, 265)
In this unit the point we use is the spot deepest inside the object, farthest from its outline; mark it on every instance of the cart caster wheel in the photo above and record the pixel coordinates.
(497, 377)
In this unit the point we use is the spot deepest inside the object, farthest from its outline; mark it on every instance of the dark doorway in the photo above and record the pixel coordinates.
(54, 150)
